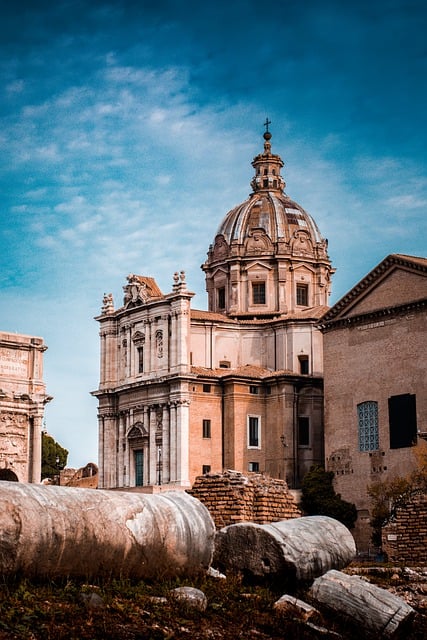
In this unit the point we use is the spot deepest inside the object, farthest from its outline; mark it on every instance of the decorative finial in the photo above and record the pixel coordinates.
(267, 134)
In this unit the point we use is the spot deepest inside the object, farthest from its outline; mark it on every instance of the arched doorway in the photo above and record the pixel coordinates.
(8, 475)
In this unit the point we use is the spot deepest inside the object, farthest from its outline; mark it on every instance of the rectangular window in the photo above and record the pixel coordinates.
(140, 359)
(206, 428)
(206, 469)
(221, 297)
(302, 295)
(206, 388)
(258, 292)
(402, 415)
(253, 466)
(253, 390)
(303, 431)
(367, 415)
(303, 365)
(254, 438)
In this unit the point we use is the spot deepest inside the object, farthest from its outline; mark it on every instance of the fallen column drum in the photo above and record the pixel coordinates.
(289, 551)
(64, 531)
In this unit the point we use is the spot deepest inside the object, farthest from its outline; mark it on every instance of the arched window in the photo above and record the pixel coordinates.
(367, 413)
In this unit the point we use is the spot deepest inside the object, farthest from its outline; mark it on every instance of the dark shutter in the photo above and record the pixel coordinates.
(402, 416)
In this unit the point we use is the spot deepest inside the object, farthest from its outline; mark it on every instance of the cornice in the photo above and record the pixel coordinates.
(412, 262)
(363, 318)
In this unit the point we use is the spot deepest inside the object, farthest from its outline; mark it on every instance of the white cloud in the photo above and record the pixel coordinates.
(407, 201)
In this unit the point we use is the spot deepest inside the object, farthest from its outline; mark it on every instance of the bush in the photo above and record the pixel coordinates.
(319, 497)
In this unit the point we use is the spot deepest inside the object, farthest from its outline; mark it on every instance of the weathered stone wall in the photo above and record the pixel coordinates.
(233, 497)
(404, 539)
(360, 365)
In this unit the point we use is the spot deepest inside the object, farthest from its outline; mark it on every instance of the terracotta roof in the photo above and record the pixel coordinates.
(153, 289)
(197, 314)
(247, 371)
(250, 318)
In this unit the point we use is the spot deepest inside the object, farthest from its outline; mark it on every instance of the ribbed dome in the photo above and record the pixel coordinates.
(274, 212)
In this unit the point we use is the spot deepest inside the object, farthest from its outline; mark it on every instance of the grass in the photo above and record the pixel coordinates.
(127, 610)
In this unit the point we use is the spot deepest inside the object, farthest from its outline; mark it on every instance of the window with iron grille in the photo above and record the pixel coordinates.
(258, 292)
(367, 413)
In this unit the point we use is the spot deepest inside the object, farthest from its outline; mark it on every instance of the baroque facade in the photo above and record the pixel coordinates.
(375, 370)
(22, 401)
(185, 392)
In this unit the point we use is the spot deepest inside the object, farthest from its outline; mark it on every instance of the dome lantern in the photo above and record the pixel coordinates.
(267, 167)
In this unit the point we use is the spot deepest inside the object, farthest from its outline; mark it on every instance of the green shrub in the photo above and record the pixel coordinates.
(319, 497)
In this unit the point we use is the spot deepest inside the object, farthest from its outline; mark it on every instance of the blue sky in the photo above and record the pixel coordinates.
(127, 130)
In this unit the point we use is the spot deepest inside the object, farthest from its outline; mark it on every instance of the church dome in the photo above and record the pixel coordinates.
(274, 212)
(268, 255)
(268, 207)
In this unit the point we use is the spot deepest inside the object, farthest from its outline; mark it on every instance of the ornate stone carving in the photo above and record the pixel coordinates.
(301, 244)
(135, 291)
(107, 303)
(258, 242)
(138, 338)
(221, 249)
(159, 343)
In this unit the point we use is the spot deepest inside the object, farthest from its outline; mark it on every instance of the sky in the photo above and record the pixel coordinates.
(127, 131)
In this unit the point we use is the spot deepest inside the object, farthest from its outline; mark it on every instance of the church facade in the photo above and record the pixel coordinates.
(185, 392)
(22, 401)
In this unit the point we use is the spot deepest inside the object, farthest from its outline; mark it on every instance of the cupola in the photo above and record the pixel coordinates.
(268, 257)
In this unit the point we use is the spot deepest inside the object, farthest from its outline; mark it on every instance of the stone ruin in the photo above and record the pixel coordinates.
(233, 497)
(404, 537)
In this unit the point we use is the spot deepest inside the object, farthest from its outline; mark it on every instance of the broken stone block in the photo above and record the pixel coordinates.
(288, 552)
(372, 609)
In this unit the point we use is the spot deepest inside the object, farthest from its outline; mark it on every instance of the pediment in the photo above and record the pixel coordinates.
(137, 431)
(396, 281)
(303, 266)
(258, 266)
(220, 271)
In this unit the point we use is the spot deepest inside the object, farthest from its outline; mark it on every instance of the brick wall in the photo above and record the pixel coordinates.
(404, 538)
(233, 497)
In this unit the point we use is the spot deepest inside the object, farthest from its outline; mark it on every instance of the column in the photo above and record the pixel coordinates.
(183, 443)
(152, 453)
(172, 443)
(120, 451)
(100, 452)
(165, 445)
(36, 462)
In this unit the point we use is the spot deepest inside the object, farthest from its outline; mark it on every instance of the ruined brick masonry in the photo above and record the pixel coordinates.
(234, 497)
(404, 538)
